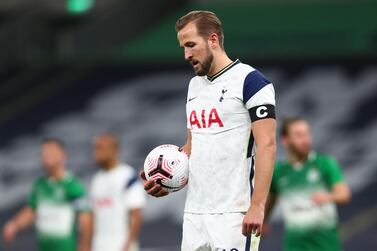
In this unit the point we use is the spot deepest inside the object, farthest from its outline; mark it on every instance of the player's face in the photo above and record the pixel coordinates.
(104, 151)
(53, 156)
(299, 139)
(196, 49)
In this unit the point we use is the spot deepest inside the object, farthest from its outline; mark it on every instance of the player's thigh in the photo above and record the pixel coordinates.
(194, 237)
(225, 231)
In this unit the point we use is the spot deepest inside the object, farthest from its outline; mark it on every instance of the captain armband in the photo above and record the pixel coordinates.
(262, 112)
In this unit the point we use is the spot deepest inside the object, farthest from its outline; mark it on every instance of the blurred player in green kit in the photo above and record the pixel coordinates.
(309, 186)
(56, 203)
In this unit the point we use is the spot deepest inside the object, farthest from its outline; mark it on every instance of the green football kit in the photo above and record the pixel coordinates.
(56, 204)
(308, 227)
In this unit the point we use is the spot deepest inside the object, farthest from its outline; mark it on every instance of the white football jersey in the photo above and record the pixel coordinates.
(220, 111)
(113, 193)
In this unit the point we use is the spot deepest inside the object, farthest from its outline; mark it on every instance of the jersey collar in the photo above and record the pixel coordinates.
(311, 159)
(66, 176)
(222, 71)
(312, 156)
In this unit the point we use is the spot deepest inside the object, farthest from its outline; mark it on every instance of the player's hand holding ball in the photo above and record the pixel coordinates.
(152, 188)
(165, 170)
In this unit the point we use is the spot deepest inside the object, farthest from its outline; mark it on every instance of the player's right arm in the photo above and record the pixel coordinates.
(24, 218)
(152, 188)
(187, 146)
(21, 221)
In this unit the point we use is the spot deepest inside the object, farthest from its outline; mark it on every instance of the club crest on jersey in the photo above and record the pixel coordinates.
(222, 94)
(207, 120)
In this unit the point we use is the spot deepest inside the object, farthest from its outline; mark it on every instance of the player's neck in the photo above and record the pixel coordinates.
(110, 165)
(295, 158)
(220, 61)
(57, 174)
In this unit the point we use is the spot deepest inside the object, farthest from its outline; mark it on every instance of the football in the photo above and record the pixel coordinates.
(168, 166)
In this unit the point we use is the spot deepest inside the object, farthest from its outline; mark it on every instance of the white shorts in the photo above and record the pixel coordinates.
(216, 232)
(112, 244)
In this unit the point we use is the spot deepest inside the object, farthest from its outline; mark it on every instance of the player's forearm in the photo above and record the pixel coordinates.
(85, 241)
(264, 165)
(24, 218)
(86, 231)
(136, 221)
(187, 146)
(341, 193)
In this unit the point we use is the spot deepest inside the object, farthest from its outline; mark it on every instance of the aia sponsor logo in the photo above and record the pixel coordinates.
(205, 119)
(104, 202)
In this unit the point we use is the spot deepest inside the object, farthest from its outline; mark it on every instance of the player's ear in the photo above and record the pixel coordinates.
(214, 40)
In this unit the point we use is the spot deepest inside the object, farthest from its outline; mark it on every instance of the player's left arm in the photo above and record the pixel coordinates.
(136, 220)
(259, 100)
(186, 148)
(264, 135)
(135, 198)
(340, 192)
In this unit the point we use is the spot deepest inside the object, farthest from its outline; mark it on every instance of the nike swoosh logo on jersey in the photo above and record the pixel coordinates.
(191, 99)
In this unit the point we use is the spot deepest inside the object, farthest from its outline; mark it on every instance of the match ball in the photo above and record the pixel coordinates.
(168, 166)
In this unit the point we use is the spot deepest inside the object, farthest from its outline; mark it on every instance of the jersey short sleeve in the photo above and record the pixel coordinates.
(32, 200)
(134, 193)
(333, 171)
(259, 96)
(77, 194)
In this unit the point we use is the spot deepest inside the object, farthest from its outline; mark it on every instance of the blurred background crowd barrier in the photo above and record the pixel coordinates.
(76, 68)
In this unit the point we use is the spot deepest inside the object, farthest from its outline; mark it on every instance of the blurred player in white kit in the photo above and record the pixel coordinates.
(117, 199)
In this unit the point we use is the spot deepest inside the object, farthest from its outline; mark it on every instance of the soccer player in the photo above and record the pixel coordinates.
(230, 139)
(117, 198)
(309, 185)
(55, 201)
